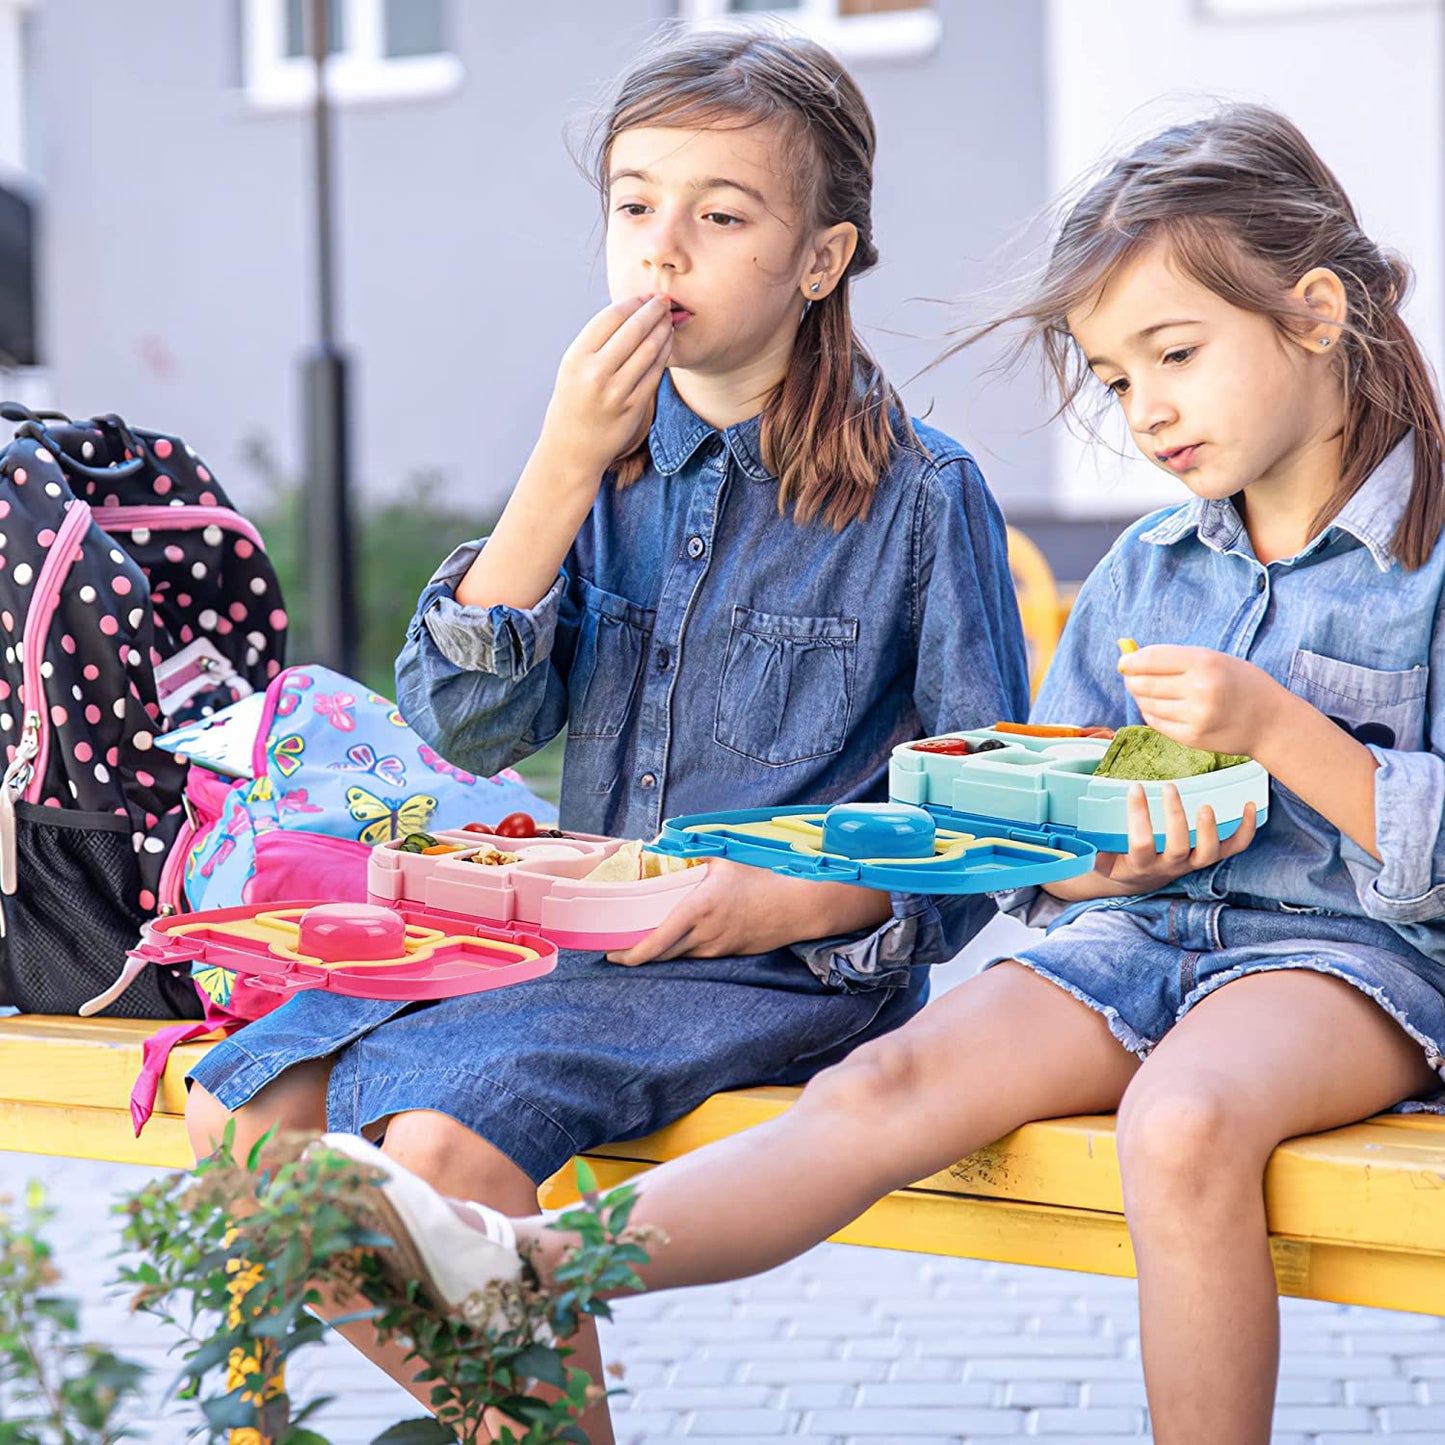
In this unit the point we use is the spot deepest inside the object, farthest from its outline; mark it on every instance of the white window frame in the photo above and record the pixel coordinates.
(1296, 9)
(361, 72)
(887, 35)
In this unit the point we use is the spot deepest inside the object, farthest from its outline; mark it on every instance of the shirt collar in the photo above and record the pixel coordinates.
(1371, 516)
(677, 432)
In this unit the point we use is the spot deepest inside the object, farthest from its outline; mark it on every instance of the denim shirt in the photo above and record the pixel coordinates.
(705, 653)
(1344, 626)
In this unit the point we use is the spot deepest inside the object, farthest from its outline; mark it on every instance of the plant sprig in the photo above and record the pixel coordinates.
(233, 1257)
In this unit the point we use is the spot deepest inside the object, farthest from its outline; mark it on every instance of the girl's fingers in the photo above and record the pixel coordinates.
(652, 316)
(646, 364)
(1158, 659)
(594, 335)
(1206, 838)
(669, 938)
(1142, 851)
(1242, 836)
(1176, 826)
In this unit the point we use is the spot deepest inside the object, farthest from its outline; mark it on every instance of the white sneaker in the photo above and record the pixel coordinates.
(458, 1264)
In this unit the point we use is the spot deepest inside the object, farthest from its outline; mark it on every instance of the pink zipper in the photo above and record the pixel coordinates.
(43, 602)
(268, 716)
(176, 519)
(168, 890)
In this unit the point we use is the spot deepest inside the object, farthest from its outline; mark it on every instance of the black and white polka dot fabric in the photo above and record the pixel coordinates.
(133, 598)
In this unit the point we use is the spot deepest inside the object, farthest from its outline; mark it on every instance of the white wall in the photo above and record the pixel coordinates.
(1362, 79)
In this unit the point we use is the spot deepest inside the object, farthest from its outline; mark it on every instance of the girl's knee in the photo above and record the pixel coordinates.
(457, 1161)
(874, 1082)
(1183, 1140)
(206, 1120)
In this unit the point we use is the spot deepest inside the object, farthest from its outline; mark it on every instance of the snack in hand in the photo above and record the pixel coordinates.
(1140, 754)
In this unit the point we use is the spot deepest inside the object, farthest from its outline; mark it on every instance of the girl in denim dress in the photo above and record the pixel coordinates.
(1225, 996)
(738, 576)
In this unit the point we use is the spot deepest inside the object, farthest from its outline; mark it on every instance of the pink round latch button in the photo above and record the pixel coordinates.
(336, 932)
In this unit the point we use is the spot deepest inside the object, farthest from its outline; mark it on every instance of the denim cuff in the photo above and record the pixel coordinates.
(1404, 885)
(504, 641)
(880, 958)
(1034, 906)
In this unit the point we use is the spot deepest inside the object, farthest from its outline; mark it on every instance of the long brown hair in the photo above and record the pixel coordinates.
(1246, 208)
(831, 426)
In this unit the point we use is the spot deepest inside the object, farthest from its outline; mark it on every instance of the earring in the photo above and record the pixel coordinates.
(814, 287)
(1324, 342)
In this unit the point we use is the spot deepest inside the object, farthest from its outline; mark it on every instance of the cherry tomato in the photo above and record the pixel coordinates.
(516, 825)
(476, 828)
(951, 747)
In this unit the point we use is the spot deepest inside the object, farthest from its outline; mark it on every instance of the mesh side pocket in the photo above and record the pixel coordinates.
(74, 914)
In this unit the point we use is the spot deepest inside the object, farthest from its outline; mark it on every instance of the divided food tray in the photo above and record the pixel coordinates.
(1047, 783)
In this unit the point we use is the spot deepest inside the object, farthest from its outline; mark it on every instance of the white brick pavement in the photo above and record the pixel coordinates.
(850, 1347)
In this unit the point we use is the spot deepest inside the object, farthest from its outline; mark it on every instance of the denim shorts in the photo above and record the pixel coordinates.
(1143, 965)
(589, 1054)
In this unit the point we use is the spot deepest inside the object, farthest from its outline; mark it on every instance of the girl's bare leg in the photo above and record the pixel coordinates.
(294, 1100)
(1255, 1063)
(1002, 1049)
(454, 1160)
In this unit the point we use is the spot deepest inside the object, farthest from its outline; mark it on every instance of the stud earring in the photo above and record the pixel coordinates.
(814, 287)
(1324, 342)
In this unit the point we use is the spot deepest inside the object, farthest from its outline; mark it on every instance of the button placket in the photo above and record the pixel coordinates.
(673, 608)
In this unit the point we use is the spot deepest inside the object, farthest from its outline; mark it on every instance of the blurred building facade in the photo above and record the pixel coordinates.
(169, 143)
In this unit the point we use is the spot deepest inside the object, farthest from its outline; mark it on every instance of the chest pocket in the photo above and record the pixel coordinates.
(1383, 708)
(787, 686)
(612, 641)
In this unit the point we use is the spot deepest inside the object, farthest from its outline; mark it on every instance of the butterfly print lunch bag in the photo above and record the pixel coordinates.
(336, 770)
(133, 597)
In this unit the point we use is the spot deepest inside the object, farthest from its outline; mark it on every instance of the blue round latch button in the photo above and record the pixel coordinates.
(878, 830)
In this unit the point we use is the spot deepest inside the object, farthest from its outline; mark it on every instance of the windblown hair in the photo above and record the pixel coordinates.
(1246, 208)
(831, 427)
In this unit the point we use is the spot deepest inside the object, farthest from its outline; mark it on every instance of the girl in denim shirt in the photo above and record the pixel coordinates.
(1223, 996)
(738, 576)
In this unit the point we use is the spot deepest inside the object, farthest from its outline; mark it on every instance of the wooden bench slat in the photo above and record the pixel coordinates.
(1357, 1215)
(961, 1226)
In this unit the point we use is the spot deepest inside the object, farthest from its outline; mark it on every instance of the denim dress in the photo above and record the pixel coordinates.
(1347, 628)
(703, 652)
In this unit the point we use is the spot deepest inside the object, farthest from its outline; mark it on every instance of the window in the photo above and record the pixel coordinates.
(851, 29)
(379, 50)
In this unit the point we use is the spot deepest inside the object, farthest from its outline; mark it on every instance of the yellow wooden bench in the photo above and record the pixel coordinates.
(1357, 1216)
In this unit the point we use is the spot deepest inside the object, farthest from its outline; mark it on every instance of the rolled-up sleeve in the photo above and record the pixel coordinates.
(1405, 886)
(482, 684)
(971, 672)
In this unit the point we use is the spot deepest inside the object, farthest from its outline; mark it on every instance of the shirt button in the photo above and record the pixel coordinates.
(664, 659)
(696, 547)
(648, 780)
(1259, 584)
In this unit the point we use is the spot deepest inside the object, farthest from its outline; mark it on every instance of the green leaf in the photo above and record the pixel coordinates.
(586, 1179)
(230, 1412)
(416, 1432)
(253, 1159)
(304, 1437)
(542, 1362)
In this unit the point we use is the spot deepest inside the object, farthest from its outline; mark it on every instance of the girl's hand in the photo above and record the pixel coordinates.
(1202, 698)
(1143, 868)
(741, 910)
(603, 397)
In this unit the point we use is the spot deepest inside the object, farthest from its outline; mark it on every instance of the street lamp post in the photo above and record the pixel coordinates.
(327, 513)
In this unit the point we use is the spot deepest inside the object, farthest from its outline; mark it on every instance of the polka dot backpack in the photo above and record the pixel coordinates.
(133, 598)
